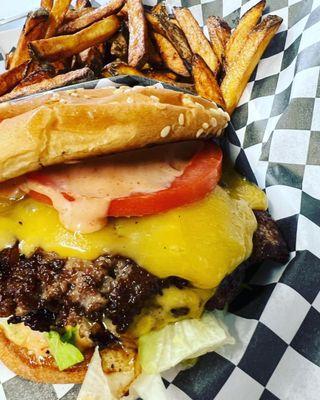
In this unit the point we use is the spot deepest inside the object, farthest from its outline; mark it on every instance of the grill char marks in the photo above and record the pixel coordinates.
(43, 291)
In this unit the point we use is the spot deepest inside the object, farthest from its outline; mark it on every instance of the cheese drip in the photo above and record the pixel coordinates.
(201, 242)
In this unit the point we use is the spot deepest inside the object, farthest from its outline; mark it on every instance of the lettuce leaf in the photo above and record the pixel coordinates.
(190, 338)
(65, 354)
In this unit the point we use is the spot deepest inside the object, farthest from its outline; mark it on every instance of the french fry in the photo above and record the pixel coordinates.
(137, 25)
(163, 76)
(198, 42)
(153, 54)
(206, 83)
(10, 79)
(57, 14)
(238, 37)
(239, 72)
(81, 75)
(219, 32)
(47, 4)
(60, 47)
(34, 28)
(35, 77)
(71, 15)
(80, 4)
(91, 17)
(92, 58)
(170, 56)
(8, 59)
(162, 24)
(119, 46)
(120, 68)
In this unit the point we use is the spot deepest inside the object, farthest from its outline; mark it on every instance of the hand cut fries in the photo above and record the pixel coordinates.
(170, 56)
(47, 4)
(48, 84)
(57, 13)
(161, 23)
(10, 79)
(206, 83)
(33, 29)
(61, 45)
(238, 73)
(88, 18)
(196, 39)
(219, 32)
(65, 46)
(241, 32)
(137, 33)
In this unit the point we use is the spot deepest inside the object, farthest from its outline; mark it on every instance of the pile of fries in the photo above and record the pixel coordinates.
(60, 45)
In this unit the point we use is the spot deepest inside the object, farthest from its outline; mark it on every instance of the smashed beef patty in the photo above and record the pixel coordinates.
(46, 292)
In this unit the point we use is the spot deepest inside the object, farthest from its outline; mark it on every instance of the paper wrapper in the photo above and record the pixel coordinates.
(276, 138)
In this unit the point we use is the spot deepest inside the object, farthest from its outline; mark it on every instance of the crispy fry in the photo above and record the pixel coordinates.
(57, 14)
(137, 51)
(119, 46)
(9, 79)
(35, 77)
(153, 54)
(8, 59)
(172, 32)
(198, 42)
(120, 68)
(163, 76)
(219, 32)
(91, 17)
(81, 75)
(205, 81)
(83, 4)
(239, 35)
(34, 28)
(71, 15)
(65, 46)
(92, 58)
(170, 56)
(238, 73)
(47, 4)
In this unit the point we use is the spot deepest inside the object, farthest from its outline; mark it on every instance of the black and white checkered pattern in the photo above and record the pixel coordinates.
(276, 318)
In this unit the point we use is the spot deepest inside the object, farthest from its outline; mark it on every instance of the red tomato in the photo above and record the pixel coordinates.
(198, 179)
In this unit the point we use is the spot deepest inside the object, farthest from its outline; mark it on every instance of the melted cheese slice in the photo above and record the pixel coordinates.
(201, 242)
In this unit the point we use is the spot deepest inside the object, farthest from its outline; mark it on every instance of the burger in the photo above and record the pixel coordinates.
(122, 227)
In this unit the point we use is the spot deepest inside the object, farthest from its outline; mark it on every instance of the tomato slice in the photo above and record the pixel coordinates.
(198, 179)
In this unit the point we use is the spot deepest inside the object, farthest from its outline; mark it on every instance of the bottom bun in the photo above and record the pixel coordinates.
(120, 364)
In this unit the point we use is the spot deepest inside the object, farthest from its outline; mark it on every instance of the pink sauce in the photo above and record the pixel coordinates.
(95, 183)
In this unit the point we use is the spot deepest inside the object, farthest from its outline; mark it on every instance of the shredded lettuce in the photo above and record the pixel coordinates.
(190, 338)
(65, 354)
(95, 385)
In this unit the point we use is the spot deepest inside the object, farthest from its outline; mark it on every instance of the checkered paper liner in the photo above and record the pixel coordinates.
(276, 140)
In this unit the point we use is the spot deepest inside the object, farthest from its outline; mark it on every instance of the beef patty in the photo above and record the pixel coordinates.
(46, 292)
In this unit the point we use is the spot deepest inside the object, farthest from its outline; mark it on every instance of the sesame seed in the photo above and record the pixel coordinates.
(213, 122)
(199, 133)
(154, 98)
(165, 131)
(187, 101)
(219, 132)
(225, 125)
(161, 106)
(90, 115)
(74, 94)
(129, 100)
(227, 116)
(181, 119)
(199, 105)
(205, 125)
(213, 111)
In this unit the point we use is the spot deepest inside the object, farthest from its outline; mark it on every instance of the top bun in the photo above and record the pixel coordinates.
(77, 124)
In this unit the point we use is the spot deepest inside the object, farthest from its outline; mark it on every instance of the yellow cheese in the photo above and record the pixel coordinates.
(201, 242)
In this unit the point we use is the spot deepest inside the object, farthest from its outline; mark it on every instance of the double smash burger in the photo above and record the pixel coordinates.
(118, 217)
